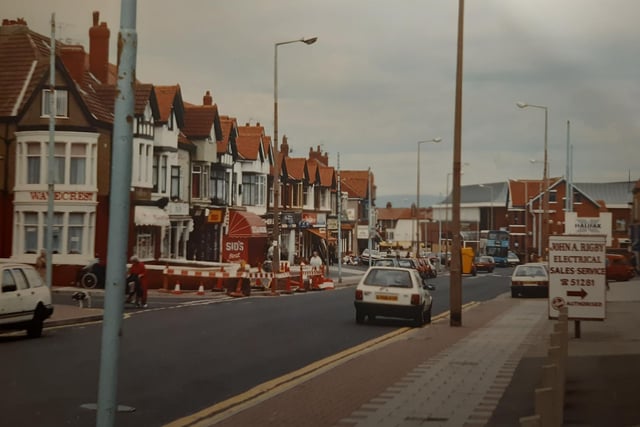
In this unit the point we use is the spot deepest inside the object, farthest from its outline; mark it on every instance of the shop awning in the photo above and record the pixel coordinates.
(246, 224)
(320, 233)
(151, 215)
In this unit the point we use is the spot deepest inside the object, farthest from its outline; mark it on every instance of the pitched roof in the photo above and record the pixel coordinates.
(25, 59)
(248, 147)
(199, 121)
(169, 98)
(356, 183)
(296, 168)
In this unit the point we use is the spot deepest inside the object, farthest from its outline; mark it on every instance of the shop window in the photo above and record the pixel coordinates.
(144, 245)
(33, 162)
(30, 232)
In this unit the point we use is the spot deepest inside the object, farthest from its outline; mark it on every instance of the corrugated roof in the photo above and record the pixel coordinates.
(613, 194)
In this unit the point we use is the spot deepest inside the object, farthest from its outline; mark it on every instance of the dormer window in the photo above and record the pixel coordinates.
(62, 105)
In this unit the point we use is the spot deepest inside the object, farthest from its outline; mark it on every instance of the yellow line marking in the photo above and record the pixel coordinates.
(236, 404)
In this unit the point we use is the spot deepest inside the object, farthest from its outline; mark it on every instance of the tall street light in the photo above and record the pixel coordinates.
(545, 176)
(490, 189)
(435, 141)
(276, 169)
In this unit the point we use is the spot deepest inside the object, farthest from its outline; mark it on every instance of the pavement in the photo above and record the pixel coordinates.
(482, 373)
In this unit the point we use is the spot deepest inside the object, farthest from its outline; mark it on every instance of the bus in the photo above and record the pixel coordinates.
(497, 246)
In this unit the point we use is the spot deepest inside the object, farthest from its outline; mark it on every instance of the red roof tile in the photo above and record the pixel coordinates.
(295, 168)
(356, 183)
(165, 96)
(248, 147)
(199, 120)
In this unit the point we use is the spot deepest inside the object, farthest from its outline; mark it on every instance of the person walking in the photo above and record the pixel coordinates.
(138, 274)
(41, 264)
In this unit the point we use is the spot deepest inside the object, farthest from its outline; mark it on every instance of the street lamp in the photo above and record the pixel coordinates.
(435, 141)
(545, 175)
(490, 189)
(276, 169)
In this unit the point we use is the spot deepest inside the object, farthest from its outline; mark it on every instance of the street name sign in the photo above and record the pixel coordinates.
(577, 276)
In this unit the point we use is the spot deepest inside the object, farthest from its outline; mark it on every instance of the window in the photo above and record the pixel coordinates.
(253, 189)
(61, 103)
(78, 166)
(305, 194)
(58, 224)
(621, 224)
(154, 173)
(163, 174)
(296, 194)
(59, 164)
(219, 186)
(30, 232)
(175, 182)
(199, 181)
(144, 245)
(76, 229)
(33, 163)
(553, 196)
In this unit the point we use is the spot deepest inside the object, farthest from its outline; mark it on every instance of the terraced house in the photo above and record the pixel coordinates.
(202, 186)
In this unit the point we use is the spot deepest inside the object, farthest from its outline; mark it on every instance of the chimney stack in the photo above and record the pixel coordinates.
(99, 49)
(284, 148)
(207, 99)
(73, 58)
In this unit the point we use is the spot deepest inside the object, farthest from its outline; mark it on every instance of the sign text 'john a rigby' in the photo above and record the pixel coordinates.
(577, 276)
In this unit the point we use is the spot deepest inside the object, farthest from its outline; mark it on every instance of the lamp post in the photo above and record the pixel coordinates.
(435, 141)
(276, 169)
(491, 217)
(446, 210)
(545, 176)
(538, 227)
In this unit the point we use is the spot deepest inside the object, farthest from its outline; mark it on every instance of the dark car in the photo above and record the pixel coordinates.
(485, 263)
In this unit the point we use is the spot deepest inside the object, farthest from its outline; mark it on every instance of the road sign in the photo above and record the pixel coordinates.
(577, 276)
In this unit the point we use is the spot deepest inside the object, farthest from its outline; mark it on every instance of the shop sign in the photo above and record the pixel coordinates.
(577, 276)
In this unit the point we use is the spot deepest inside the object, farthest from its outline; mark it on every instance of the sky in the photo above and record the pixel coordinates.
(381, 77)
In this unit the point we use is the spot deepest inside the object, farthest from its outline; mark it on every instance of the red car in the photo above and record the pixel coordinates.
(619, 268)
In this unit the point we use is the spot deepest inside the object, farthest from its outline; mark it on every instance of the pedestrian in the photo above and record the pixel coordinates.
(138, 274)
(315, 260)
(41, 264)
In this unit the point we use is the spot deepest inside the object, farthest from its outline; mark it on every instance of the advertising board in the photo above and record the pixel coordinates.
(577, 276)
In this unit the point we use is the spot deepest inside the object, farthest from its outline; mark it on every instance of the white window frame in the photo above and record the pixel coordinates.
(62, 103)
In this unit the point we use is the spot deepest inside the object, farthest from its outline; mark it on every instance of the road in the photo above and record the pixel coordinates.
(179, 358)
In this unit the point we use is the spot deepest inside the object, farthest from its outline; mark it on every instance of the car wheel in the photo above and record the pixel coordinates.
(89, 280)
(514, 293)
(34, 330)
(427, 315)
(359, 317)
(418, 320)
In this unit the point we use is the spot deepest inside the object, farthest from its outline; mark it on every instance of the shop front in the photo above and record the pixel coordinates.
(246, 238)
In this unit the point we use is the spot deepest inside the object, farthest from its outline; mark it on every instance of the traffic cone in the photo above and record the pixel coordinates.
(176, 289)
(200, 289)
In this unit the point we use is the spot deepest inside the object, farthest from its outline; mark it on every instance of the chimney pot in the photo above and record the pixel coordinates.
(99, 49)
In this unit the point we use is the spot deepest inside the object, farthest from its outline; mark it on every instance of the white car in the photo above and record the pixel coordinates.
(530, 279)
(25, 301)
(512, 259)
(393, 292)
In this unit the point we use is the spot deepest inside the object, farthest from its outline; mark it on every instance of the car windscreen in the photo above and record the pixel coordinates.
(396, 278)
(530, 271)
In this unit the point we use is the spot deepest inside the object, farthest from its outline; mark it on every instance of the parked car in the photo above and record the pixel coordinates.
(485, 263)
(393, 292)
(25, 301)
(364, 256)
(531, 279)
(512, 259)
(619, 268)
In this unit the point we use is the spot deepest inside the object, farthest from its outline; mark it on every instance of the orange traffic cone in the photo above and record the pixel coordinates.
(200, 289)
(176, 289)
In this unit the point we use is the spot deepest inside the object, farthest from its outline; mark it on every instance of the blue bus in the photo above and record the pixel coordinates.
(497, 246)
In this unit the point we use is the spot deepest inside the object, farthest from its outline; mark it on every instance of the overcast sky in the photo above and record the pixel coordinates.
(382, 77)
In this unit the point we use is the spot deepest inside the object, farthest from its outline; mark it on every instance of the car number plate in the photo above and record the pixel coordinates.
(385, 297)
